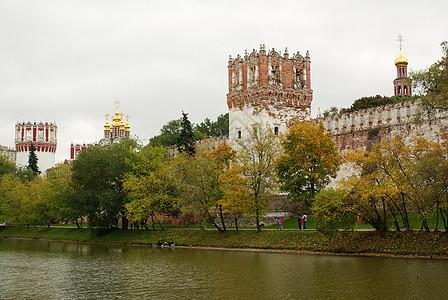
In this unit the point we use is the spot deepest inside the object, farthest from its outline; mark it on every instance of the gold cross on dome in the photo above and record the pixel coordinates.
(400, 39)
(117, 102)
(107, 116)
(127, 117)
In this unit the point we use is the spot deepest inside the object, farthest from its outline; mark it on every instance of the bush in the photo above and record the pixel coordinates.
(330, 212)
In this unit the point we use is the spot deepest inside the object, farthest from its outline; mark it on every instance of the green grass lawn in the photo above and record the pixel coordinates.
(429, 244)
(292, 224)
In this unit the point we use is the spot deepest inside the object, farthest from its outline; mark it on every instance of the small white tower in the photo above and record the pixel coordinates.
(44, 138)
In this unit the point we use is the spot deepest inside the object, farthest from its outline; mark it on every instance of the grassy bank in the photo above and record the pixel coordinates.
(433, 244)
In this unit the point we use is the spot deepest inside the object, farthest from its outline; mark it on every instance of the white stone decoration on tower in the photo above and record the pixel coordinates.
(44, 138)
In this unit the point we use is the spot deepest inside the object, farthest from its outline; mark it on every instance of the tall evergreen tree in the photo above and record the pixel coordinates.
(32, 160)
(185, 142)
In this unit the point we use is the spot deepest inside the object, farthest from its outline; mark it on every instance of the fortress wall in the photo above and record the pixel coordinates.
(361, 129)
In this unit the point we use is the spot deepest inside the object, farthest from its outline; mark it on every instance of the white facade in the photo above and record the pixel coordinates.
(241, 120)
(46, 160)
(44, 138)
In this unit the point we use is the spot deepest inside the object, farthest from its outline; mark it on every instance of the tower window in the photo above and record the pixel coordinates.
(276, 130)
(239, 134)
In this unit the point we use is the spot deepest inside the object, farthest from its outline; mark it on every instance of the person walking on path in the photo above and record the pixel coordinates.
(304, 221)
(278, 223)
(299, 221)
(281, 223)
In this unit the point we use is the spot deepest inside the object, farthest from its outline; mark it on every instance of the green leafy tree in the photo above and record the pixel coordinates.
(98, 175)
(257, 159)
(186, 140)
(308, 162)
(169, 134)
(6, 166)
(148, 186)
(374, 101)
(196, 179)
(13, 193)
(214, 129)
(32, 160)
(331, 112)
(331, 212)
(433, 82)
(60, 193)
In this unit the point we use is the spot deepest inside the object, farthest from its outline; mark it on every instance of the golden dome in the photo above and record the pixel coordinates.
(116, 118)
(401, 60)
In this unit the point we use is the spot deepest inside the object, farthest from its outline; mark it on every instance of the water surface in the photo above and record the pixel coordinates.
(57, 270)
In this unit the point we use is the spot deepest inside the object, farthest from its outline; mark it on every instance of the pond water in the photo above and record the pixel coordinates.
(57, 270)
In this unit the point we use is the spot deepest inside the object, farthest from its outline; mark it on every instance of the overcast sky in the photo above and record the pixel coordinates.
(68, 61)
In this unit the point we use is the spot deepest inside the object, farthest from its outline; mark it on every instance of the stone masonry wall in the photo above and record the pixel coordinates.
(361, 129)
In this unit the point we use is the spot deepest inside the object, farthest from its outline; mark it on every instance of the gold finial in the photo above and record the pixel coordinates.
(117, 102)
(400, 40)
(401, 60)
(127, 127)
(106, 127)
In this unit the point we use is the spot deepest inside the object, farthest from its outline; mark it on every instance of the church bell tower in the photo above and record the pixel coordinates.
(402, 84)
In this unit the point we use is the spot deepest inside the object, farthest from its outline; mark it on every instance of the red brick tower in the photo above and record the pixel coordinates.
(268, 87)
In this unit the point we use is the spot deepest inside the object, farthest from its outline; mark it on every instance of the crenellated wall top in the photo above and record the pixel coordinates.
(271, 53)
(375, 117)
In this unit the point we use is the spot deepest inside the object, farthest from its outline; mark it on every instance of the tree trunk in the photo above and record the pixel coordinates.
(213, 221)
(236, 222)
(152, 222)
(405, 215)
(257, 213)
(443, 220)
(222, 218)
(384, 216)
(124, 223)
(77, 224)
(425, 225)
(159, 222)
(437, 221)
(397, 227)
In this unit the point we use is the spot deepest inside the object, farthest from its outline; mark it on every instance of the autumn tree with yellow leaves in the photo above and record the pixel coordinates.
(308, 162)
(256, 157)
(398, 177)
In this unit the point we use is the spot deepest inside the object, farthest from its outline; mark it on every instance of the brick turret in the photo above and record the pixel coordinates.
(268, 87)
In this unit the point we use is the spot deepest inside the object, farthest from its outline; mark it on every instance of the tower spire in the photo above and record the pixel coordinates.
(400, 40)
